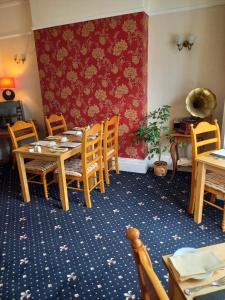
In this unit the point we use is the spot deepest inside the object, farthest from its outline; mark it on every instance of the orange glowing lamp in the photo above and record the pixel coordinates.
(6, 84)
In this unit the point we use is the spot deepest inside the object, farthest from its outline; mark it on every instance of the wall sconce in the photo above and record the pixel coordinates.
(20, 58)
(7, 84)
(188, 43)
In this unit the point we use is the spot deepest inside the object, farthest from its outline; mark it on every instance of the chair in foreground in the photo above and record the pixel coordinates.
(206, 138)
(22, 133)
(55, 124)
(89, 166)
(110, 146)
(151, 286)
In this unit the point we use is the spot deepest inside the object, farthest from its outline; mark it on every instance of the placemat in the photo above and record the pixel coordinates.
(218, 295)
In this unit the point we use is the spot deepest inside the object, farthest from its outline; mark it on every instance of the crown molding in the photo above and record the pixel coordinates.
(10, 3)
(15, 35)
(87, 18)
(212, 3)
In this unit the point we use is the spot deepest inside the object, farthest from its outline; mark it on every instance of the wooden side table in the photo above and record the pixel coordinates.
(5, 135)
(177, 138)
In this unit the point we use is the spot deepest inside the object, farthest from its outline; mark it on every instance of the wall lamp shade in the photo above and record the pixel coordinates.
(187, 43)
(6, 84)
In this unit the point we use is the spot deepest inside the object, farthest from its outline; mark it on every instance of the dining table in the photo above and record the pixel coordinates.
(47, 153)
(205, 163)
(177, 287)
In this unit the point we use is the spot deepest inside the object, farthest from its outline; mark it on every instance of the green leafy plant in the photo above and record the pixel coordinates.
(154, 131)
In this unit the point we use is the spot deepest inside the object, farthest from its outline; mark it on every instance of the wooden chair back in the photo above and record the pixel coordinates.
(205, 138)
(111, 131)
(151, 286)
(21, 132)
(91, 152)
(55, 124)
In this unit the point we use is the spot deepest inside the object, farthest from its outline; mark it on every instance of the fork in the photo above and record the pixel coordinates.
(219, 282)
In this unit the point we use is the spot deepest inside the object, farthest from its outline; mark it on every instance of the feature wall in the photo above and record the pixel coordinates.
(92, 70)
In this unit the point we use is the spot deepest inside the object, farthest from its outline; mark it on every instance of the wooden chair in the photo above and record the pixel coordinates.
(206, 138)
(151, 286)
(25, 132)
(55, 124)
(89, 166)
(110, 146)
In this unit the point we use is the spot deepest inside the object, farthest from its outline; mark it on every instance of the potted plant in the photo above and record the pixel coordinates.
(154, 131)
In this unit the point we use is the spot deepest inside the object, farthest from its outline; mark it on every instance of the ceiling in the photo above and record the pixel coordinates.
(152, 6)
(164, 6)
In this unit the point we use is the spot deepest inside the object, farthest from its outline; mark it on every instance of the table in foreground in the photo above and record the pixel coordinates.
(176, 288)
(59, 157)
(205, 163)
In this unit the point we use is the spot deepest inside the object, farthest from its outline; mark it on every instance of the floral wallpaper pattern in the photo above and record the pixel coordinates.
(92, 70)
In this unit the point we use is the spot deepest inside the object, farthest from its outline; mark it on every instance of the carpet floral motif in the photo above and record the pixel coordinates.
(46, 253)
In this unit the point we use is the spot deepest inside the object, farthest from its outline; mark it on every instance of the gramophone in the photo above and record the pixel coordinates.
(200, 103)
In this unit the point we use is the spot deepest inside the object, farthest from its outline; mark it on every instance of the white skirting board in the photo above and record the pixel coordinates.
(140, 165)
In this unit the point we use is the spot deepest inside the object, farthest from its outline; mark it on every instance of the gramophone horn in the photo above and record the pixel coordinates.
(201, 102)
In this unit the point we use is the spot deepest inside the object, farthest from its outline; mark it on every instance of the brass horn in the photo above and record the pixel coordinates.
(201, 102)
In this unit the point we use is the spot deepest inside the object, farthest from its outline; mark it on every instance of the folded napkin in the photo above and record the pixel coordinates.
(195, 263)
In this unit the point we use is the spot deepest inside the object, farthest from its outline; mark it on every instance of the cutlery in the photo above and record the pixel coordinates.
(219, 282)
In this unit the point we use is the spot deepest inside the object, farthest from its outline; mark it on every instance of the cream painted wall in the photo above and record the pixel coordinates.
(12, 41)
(47, 13)
(172, 74)
(15, 18)
(26, 75)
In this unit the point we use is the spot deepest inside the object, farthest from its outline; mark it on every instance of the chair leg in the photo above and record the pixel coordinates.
(192, 197)
(117, 164)
(101, 179)
(44, 182)
(106, 171)
(223, 221)
(87, 193)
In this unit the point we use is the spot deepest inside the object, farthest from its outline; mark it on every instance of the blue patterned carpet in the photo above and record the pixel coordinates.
(47, 253)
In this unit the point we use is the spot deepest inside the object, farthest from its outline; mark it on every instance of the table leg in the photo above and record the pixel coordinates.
(174, 292)
(199, 194)
(173, 153)
(23, 177)
(62, 184)
(193, 187)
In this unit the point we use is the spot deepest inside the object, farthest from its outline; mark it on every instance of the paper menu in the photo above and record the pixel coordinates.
(70, 144)
(219, 153)
(73, 132)
(41, 143)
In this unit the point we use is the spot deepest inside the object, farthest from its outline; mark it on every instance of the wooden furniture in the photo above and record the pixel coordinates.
(178, 138)
(90, 164)
(22, 132)
(110, 146)
(176, 288)
(55, 124)
(214, 164)
(4, 135)
(47, 155)
(10, 112)
(202, 145)
(151, 286)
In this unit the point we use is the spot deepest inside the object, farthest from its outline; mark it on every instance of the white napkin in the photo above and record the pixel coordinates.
(195, 263)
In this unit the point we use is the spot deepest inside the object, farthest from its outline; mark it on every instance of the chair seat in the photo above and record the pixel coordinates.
(39, 165)
(215, 181)
(73, 167)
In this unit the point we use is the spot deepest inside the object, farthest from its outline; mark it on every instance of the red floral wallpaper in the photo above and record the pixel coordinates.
(92, 70)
